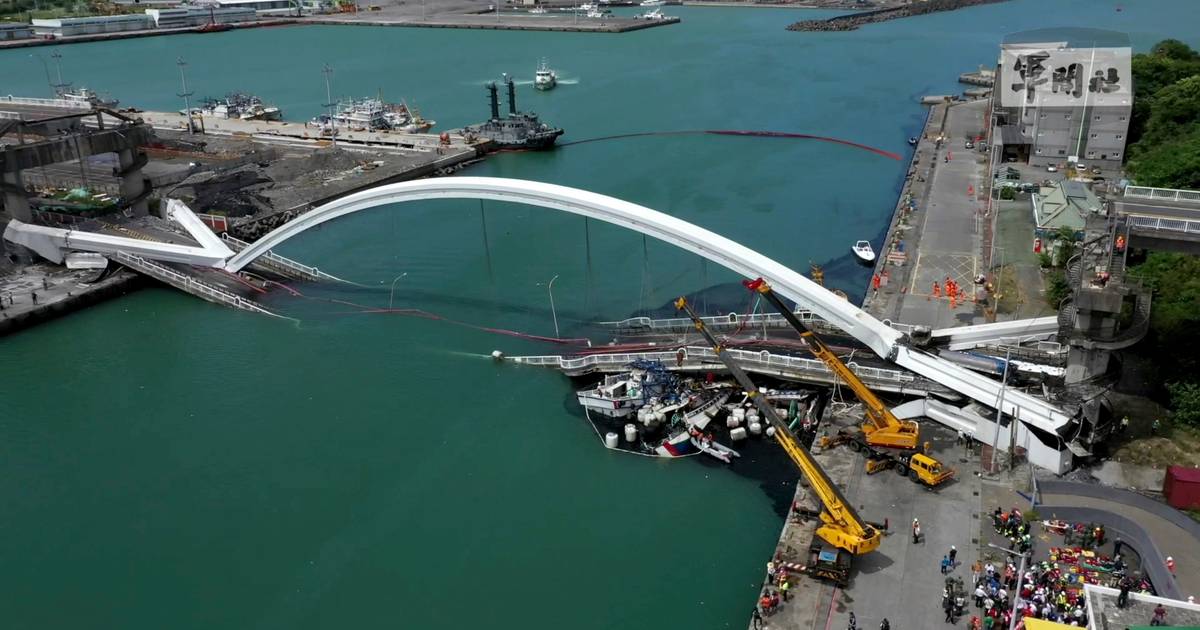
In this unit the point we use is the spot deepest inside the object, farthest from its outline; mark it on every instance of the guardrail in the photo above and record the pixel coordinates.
(746, 358)
(188, 283)
(287, 265)
(720, 322)
(1162, 194)
(1184, 226)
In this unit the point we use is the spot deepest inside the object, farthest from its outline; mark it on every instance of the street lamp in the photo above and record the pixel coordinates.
(392, 294)
(1012, 622)
(46, 67)
(553, 313)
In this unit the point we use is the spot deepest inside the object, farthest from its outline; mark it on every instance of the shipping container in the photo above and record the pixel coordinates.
(1181, 486)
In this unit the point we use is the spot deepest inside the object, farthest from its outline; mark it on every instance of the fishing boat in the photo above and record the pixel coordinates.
(544, 78)
(240, 106)
(912, 141)
(863, 251)
(595, 13)
(652, 3)
(89, 97)
(656, 14)
(372, 114)
(538, 11)
(620, 395)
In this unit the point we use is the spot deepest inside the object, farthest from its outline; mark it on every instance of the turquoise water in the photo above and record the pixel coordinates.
(170, 463)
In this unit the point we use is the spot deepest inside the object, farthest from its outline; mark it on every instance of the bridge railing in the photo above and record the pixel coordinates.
(188, 283)
(1162, 194)
(1182, 226)
(744, 357)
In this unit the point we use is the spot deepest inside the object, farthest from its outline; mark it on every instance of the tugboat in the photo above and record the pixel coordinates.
(520, 130)
(544, 78)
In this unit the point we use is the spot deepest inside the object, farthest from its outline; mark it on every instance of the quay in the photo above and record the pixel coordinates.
(505, 22)
(150, 32)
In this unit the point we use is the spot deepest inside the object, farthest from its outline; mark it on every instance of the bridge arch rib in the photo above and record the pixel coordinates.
(882, 339)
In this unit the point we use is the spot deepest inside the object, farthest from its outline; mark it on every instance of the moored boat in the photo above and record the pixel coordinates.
(864, 252)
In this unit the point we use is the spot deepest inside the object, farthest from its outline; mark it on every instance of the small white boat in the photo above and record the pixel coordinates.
(716, 449)
(595, 13)
(544, 78)
(653, 3)
(656, 14)
(863, 250)
(538, 11)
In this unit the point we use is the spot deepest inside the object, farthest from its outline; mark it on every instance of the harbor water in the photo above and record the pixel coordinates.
(168, 463)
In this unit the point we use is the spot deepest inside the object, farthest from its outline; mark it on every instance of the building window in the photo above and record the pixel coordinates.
(1118, 136)
(1062, 151)
(1039, 151)
(1121, 118)
(1096, 118)
(1043, 115)
(1091, 155)
(1067, 116)
(1095, 135)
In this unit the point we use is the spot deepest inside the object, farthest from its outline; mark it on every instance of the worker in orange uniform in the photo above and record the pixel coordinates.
(1120, 243)
(937, 290)
(875, 282)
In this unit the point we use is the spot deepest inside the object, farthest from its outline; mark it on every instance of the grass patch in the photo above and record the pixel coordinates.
(1180, 445)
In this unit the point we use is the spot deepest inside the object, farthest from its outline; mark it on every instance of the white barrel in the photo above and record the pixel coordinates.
(660, 417)
(770, 431)
(737, 434)
(631, 433)
(739, 413)
(610, 439)
(732, 422)
(755, 428)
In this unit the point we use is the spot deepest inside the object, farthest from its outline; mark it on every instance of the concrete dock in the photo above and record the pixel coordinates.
(505, 22)
(944, 236)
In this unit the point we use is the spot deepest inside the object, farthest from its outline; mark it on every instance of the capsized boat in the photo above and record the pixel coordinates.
(863, 251)
(544, 78)
(620, 395)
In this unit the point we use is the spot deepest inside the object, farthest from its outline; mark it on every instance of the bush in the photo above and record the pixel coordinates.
(1044, 259)
(1008, 193)
(1057, 288)
(1185, 403)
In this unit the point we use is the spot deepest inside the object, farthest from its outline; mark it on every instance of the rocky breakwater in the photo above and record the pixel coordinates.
(855, 20)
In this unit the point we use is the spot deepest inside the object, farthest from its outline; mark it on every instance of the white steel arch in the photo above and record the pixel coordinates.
(881, 338)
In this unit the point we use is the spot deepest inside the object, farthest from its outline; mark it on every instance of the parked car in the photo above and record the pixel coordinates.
(969, 145)
(1051, 169)
(1095, 170)
(1080, 167)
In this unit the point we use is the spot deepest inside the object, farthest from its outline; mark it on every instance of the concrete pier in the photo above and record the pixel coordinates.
(506, 22)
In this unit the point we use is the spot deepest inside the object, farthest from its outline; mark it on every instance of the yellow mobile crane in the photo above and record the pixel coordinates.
(881, 428)
(841, 527)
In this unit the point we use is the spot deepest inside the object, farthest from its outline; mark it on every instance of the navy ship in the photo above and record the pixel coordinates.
(519, 130)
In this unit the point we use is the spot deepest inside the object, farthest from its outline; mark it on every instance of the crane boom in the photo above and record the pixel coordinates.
(841, 525)
(882, 428)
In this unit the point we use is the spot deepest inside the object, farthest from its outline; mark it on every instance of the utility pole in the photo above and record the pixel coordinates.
(59, 87)
(187, 106)
(1000, 410)
(328, 72)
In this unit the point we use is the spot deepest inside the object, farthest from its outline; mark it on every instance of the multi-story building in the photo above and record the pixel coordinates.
(1064, 95)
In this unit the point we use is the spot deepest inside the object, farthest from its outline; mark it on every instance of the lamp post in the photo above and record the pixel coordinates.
(1012, 622)
(553, 313)
(187, 107)
(392, 293)
(46, 67)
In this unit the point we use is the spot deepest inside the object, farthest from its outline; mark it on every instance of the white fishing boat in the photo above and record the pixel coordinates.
(538, 11)
(617, 396)
(656, 14)
(715, 449)
(544, 78)
(863, 251)
(595, 13)
(88, 97)
(653, 3)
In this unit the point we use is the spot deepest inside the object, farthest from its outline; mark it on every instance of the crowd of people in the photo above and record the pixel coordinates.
(1053, 588)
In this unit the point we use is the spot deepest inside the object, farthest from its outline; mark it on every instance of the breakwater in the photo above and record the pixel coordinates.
(855, 20)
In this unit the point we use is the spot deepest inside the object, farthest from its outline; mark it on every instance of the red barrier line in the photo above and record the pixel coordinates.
(735, 132)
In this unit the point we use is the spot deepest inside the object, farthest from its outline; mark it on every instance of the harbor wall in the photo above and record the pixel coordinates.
(119, 284)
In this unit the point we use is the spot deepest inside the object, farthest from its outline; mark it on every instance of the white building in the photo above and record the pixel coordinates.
(66, 27)
(184, 17)
(15, 31)
(264, 7)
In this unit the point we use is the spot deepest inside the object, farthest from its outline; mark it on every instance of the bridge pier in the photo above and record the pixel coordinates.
(16, 200)
(135, 188)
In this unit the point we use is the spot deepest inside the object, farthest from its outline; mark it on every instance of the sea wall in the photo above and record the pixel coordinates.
(855, 20)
